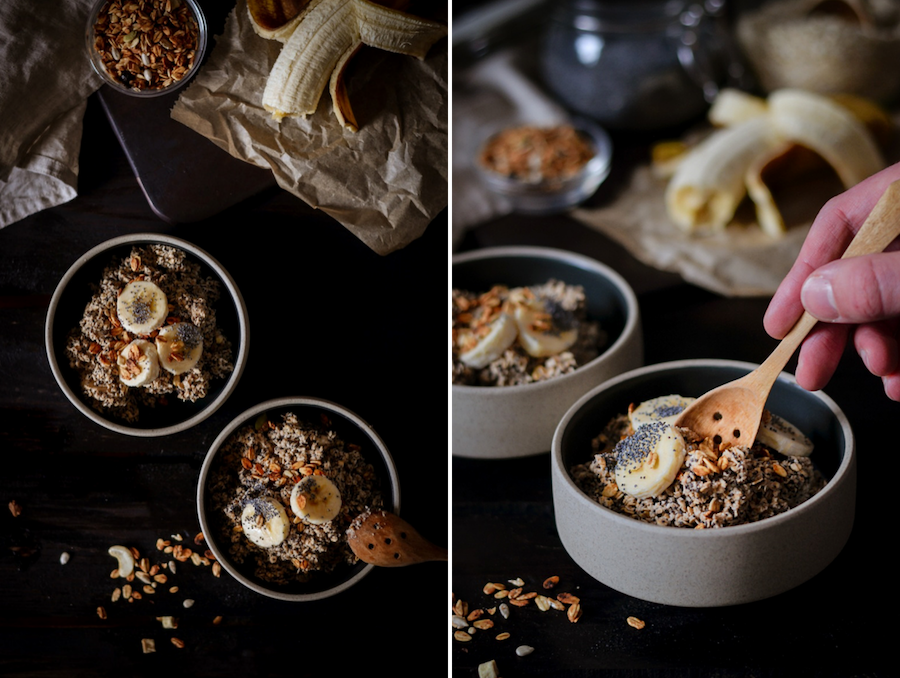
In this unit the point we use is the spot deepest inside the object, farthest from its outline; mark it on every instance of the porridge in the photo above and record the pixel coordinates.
(646, 468)
(149, 334)
(283, 494)
(511, 336)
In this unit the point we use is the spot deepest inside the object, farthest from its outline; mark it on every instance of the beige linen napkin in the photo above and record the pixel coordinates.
(44, 88)
(384, 183)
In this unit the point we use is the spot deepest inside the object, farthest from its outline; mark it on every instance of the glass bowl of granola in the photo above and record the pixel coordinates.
(533, 329)
(146, 48)
(147, 334)
(279, 488)
(544, 169)
(652, 511)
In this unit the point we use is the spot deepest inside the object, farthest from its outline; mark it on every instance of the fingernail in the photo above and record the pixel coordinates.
(817, 297)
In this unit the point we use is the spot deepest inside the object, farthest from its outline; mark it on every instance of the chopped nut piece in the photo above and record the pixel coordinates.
(574, 612)
(148, 645)
(551, 582)
(101, 612)
(635, 622)
(177, 642)
(15, 508)
(488, 670)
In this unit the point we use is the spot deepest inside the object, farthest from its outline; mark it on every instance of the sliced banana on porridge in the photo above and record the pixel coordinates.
(501, 335)
(265, 521)
(316, 500)
(142, 307)
(180, 346)
(664, 408)
(783, 436)
(648, 460)
(138, 363)
(545, 327)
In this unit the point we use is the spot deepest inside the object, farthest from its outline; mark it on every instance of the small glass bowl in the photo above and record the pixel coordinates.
(117, 84)
(548, 197)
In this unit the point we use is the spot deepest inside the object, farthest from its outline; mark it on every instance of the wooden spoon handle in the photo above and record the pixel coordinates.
(879, 230)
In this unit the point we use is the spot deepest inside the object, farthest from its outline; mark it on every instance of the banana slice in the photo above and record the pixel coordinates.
(142, 307)
(316, 500)
(648, 460)
(180, 346)
(138, 363)
(502, 334)
(783, 436)
(545, 329)
(265, 521)
(664, 408)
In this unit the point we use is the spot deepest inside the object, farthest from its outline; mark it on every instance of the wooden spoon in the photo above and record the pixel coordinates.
(730, 414)
(386, 540)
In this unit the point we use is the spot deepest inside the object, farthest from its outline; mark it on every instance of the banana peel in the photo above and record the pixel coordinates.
(321, 37)
(810, 132)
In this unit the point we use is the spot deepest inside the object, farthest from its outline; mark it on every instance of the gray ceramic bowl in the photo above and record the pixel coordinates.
(519, 421)
(351, 429)
(67, 305)
(713, 567)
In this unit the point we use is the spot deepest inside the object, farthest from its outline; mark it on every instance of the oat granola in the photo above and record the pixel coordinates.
(544, 314)
(268, 459)
(94, 347)
(714, 487)
(146, 44)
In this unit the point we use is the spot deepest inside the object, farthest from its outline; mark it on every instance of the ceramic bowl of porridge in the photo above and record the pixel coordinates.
(147, 334)
(533, 330)
(279, 488)
(651, 511)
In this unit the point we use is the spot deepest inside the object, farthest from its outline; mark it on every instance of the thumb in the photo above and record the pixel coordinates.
(855, 290)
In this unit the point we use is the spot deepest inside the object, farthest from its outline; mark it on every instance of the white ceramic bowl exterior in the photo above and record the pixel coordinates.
(714, 567)
(519, 421)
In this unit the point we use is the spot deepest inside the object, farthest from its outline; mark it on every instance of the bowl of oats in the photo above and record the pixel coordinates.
(279, 488)
(147, 334)
(146, 48)
(651, 510)
(533, 329)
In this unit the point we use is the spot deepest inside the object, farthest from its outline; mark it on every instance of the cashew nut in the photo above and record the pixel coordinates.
(125, 558)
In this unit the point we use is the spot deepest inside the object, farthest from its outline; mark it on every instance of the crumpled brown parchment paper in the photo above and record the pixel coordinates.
(385, 182)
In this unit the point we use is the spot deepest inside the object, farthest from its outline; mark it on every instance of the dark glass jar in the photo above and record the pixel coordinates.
(632, 65)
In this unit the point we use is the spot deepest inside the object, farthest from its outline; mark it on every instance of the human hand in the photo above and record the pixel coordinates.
(858, 296)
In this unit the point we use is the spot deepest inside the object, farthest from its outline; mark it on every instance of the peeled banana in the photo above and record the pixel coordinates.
(711, 179)
(320, 41)
(648, 460)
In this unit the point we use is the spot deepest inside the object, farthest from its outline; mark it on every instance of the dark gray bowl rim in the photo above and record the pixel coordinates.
(632, 312)
(731, 531)
(226, 280)
(250, 415)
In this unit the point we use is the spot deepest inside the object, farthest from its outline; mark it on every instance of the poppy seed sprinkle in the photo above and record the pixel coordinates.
(632, 451)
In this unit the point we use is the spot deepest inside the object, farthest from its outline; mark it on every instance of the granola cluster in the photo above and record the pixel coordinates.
(146, 44)
(716, 487)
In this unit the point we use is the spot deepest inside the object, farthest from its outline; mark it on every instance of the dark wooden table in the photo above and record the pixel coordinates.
(841, 623)
(367, 329)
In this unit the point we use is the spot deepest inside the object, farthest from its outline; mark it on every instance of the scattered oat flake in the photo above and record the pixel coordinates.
(63, 557)
(503, 636)
(635, 622)
(101, 612)
(178, 642)
(15, 508)
(217, 620)
(462, 636)
(148, 645)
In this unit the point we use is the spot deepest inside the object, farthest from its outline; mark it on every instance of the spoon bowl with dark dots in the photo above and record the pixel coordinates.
(384, 539)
